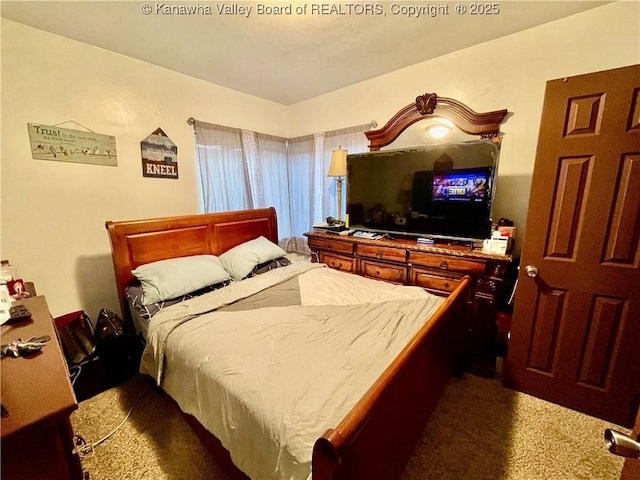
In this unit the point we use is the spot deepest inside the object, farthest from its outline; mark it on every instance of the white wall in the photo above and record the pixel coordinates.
(509, 72)
(53, 213)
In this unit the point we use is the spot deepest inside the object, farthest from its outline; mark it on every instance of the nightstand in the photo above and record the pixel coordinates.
(37, 437)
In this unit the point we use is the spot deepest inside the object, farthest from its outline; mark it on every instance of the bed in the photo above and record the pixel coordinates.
(341, 380)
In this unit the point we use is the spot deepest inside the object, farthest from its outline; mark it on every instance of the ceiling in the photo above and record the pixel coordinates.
(286, 58)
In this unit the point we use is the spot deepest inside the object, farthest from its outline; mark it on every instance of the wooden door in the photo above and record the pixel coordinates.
(575, 336)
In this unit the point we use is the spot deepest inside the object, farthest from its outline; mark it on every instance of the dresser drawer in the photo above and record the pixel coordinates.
(333, 245)
(383, 271)
(446, 262)
(382, 253)
(432, 281)
(346, 264)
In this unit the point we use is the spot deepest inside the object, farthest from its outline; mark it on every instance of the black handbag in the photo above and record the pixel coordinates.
(116, 347)
(109, 326)
(76, 336)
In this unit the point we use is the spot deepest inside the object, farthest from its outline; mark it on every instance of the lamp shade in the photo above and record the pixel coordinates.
(338, 167)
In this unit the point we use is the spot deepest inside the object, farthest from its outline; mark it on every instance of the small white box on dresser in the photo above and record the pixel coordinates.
(498, 243)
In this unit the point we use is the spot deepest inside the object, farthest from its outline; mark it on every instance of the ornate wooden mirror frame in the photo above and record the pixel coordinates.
(429, 105)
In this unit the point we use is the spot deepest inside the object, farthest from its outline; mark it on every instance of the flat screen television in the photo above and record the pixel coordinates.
(438, 191)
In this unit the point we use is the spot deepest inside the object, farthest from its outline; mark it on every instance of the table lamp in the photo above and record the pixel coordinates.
(338, 168)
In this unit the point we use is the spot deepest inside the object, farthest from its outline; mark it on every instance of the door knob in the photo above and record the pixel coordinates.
(621, 444)
(531, 271)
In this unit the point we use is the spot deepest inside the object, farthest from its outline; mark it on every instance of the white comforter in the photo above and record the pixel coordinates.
(269, 382)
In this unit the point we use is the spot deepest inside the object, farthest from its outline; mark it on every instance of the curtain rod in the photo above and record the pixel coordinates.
(192, 121)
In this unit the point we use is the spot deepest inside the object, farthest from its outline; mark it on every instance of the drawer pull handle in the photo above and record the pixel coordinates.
(444, 265)
(378, 273)
(446, 284)
(379, 254)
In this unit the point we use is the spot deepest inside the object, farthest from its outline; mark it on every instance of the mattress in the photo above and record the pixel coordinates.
(140, 321)
(270, 363)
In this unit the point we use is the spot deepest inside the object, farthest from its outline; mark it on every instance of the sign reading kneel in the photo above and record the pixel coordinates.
(159, 156)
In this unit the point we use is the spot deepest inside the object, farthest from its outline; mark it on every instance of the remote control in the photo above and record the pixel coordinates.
(18, 313)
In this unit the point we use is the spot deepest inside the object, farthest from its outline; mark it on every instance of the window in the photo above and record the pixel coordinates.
(241, 169)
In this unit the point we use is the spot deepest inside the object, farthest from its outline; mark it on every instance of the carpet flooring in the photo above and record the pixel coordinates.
(479, 431)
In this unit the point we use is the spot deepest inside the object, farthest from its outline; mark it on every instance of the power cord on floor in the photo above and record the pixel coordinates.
(83, 449)
(74, 373)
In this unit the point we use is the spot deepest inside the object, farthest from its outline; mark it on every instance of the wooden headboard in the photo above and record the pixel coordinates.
(136, 242)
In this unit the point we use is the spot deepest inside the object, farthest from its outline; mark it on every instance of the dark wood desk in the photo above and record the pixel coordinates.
(37, 437)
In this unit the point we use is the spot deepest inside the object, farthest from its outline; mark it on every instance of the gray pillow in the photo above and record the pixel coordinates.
(242, 259)
(167, 279)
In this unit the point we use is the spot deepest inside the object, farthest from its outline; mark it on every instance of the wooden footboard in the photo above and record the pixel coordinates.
(376, 438)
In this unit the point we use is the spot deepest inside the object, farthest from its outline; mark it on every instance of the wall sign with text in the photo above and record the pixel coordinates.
(159, 156)
(66, 145)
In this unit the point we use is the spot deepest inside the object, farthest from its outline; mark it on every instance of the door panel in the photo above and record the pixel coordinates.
(622, 235)
(576, 325)
(567, 209)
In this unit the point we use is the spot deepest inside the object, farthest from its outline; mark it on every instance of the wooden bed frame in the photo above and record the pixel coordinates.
(376, 438)
(136, 242)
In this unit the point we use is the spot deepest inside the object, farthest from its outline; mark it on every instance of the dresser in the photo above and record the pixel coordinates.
(437, 268)
(37, 437)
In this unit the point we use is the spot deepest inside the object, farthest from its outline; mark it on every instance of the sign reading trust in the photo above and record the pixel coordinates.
(66, 145)
(159, 156)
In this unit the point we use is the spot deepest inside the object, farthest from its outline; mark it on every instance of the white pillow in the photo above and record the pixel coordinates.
(241, 259)
(167, 279)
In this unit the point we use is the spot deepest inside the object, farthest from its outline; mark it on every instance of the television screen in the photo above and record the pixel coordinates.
(434, 191)
(461, 186)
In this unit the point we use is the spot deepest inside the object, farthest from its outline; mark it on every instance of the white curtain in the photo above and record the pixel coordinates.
(304, 194)
(243, 169)
(219, 152)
